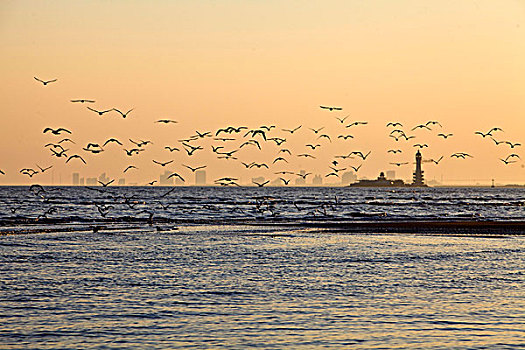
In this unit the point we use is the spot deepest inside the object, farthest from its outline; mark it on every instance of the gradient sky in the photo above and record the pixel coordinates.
(209, 64)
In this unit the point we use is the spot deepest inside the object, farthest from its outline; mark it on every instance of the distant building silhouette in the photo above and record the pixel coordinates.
(300, 180)
(348, 177)
(122, 181)
(90, 181)
(391, 174)
(259, 179)
(418, 173)
(81, 181)
(200, 177)
(76, 179)
(163, 178)
(317, 180)
(103, 178)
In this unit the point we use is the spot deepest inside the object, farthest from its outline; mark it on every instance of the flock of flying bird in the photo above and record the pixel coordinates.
(243, 137)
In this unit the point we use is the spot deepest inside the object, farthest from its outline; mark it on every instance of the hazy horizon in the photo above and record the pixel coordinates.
(210, 65)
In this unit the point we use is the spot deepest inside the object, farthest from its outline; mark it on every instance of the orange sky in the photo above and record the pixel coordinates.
(209, 64)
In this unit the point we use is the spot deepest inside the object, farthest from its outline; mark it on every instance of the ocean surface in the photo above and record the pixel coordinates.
(214, 268)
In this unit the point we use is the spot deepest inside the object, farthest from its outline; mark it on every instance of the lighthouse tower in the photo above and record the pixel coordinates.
(418, 174)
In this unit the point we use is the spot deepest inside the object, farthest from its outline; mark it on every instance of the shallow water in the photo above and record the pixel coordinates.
(25, 209)
(242, 287)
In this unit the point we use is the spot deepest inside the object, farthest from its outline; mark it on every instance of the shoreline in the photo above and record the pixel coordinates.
(416, 227)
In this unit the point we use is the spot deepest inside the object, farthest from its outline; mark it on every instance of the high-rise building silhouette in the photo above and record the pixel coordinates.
(200, 177)
(76, 179)
(163, 178)
(418, 173)
(317, 180)
(391, 174)
(348, 177)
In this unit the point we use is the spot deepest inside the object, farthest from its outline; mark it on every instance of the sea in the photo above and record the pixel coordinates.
(249, 268)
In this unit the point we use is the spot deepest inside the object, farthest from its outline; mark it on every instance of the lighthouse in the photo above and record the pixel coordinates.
(418, 173)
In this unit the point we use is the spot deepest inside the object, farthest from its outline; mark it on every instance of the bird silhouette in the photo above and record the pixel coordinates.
(124, 115)
(316, 131)
(261, 184)
(345, 137)
(56, 131)
(45, 82)
(342, 120)
(291, 131)
(171, 149)
(44, 169)
(99, 112)
(394, 151)
(330, 108)
(175, 175)
(394, 124)
(106, 184)
(166, 121)
(112, 140)
(445, 136)
(130, 167)
(194, 169)
(82, 101)
(76, 156)
(163, 164)
(399, 164)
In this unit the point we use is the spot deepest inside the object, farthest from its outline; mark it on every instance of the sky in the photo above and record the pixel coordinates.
(210, 64)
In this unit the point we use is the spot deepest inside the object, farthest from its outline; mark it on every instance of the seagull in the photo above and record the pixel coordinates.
(394, 124)
(303, 175)
(342, 120)
(399, 164)
(252, 143)
(177, 175)
(76, 156)
(152, 182)
(286, 182)
(291, 131)
(433, 122)
(306, 155)
(163, 164)
(278, 159)
(420, 126)
(44, 169)
(166, 121)
(66, 140)
(482, 134)
(356, 123)
(325, 136)
(330, 108)
(445, 136)
(512, 145)
(437, 161)
(99, 112)
(203, 134)
(171, 149)
(133, 151)
(462, 155)
(316, 131)
(56, 131)
(194, 169)
(313, 146)
(419, 145)
(112, 140)
(496, 141)
(255, 133)
(130, 167)
(83, 101)
(258, 165)
(394, 151)
(507, 162)
(261, 184)
(45, 82)
(344, 137)
(107, 183)
(124, 115)
(356, 169)
(495, 129)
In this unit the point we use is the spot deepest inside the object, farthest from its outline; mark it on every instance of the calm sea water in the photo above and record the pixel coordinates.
(241, 286)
